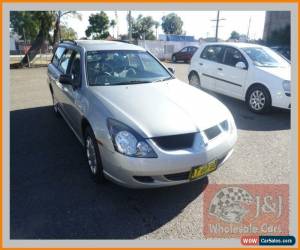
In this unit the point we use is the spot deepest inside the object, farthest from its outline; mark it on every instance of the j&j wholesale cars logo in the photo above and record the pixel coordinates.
(232, 211)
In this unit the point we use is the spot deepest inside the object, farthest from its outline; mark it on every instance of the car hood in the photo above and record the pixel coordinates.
(283, 73)
(162, 108)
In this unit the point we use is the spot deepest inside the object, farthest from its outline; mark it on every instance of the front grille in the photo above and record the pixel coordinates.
(212, 132)
(175, 142)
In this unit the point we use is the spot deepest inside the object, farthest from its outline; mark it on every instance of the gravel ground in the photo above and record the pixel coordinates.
(52, 196)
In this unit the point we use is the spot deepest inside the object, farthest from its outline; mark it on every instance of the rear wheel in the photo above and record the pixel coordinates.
(194, 80)
(174, 59)
(93, 156)
(259, 100)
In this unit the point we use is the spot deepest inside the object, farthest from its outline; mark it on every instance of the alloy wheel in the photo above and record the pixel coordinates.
(257, 100)
(194, 81)
(91, 155)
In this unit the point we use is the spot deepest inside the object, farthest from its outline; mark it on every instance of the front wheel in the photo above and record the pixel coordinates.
(259, 100)
(93, 156)
(194, 80)
(174, 59)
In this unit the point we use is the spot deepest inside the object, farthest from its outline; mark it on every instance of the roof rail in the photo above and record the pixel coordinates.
(68, 41)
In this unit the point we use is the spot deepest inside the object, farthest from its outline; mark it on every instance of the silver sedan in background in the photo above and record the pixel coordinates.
(140, 126)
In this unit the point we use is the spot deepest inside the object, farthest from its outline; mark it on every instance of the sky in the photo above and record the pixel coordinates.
(195, 23)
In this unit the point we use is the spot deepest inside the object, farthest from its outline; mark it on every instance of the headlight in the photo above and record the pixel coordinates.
(232, 126)
(286, 86)
(128, 142)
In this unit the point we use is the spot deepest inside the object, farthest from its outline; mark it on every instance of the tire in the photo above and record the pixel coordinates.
(259, 99)
(194, 80)
(93, 156)
(174, 59)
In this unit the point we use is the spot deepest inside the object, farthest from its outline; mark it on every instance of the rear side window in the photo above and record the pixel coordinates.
(233, 56)
(192, 49)
(213, 53)
(184, 50)
(64, 62)
(58, 53)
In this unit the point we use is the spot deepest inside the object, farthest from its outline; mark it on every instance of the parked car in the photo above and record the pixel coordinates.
(139, 125)
(184, 54)
(283, 50)
(249, 72)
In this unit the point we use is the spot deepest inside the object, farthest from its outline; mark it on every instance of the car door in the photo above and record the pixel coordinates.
(72, 92)
(207, 64)
(231, 74)
(182, 54)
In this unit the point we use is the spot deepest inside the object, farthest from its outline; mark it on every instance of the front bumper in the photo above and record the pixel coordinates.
(281, 100)
(156, 172)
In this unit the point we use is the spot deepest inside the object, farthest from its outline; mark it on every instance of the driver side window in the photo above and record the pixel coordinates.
(64, 61)
(75, 70)
(233, 56)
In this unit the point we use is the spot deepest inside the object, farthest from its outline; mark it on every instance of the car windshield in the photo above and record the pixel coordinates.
(123, 67)
(265, 57)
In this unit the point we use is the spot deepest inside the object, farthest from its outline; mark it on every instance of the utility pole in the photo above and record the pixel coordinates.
(129, 27)
(248, 29)
(217, 23)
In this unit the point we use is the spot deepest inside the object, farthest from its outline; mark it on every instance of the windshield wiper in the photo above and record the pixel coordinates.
(130, 82)
(164, 79)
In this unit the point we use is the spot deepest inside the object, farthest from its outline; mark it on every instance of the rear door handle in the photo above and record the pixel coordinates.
(220, 69)
(200, 64)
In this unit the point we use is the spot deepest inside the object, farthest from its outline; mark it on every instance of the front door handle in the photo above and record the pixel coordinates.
(200, 64)
(220, 69)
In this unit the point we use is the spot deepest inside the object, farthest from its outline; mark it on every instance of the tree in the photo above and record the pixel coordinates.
(99, 25)
(67, 33)
(24, 24)
(113, 24)
(58, 16)
(172, 24)
(142, 28)
(234, 35)
(43, 21)
(156, 25)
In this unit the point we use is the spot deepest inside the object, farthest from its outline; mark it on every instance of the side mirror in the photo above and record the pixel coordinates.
(66, 79)
(241, 65)
(172, 70)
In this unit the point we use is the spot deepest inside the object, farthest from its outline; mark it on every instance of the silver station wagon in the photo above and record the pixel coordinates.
(139, 125)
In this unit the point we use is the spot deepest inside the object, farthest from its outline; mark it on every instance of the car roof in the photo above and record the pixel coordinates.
(236, 45)
(92, 45)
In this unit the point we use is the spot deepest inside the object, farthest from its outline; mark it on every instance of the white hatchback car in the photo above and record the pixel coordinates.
(249, 72)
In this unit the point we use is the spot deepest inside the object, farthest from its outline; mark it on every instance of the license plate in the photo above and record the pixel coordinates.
(200, 171)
